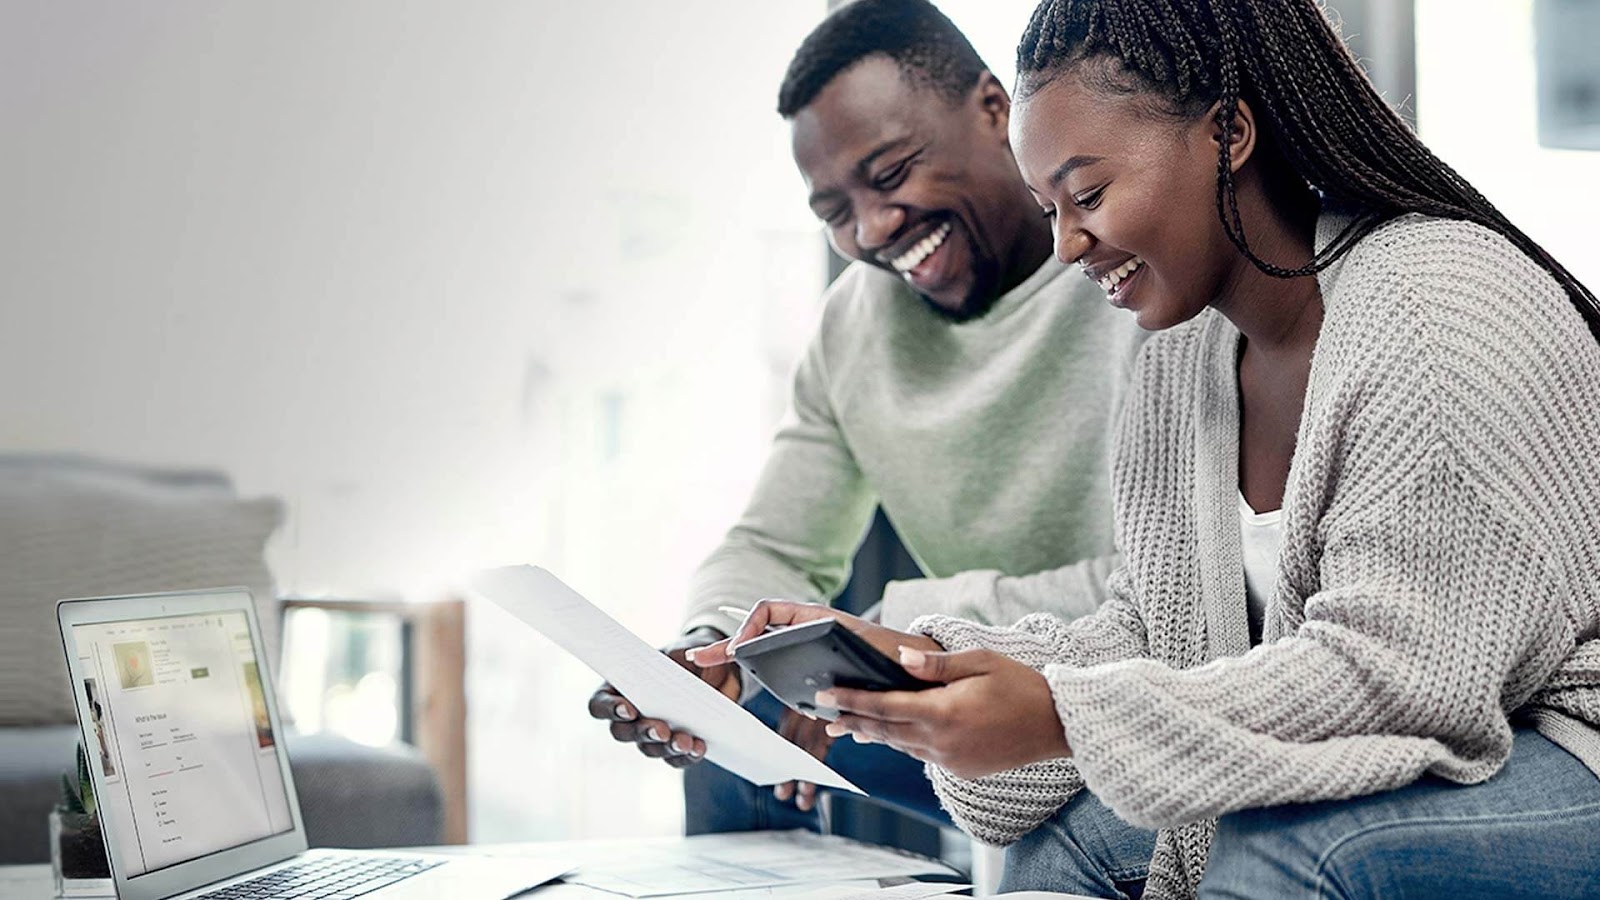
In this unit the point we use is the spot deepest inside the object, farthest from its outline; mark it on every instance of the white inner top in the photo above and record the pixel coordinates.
(1260, 534)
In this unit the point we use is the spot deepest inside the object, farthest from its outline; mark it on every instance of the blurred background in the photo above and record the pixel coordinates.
(464, 284)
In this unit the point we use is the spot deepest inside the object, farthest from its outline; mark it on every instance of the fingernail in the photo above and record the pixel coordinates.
(834, 729)
(826, 698)
(910, 657)
(691, 653)
(696, 752)
(655, 734)
(625, 712)
(682, 744)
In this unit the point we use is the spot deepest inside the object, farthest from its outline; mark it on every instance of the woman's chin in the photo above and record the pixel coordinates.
(1162, 314)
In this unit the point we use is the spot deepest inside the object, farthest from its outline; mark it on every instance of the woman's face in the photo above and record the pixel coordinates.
(1131, 196)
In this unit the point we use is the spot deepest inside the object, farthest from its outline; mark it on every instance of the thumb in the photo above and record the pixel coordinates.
(945, 667)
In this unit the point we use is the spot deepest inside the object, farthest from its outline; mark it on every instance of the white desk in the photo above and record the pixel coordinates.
(33, 882)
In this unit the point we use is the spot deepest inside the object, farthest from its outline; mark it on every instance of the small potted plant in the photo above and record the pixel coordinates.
(77, 849)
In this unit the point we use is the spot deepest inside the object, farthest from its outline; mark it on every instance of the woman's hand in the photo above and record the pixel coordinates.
(777, 613)
(991, 714)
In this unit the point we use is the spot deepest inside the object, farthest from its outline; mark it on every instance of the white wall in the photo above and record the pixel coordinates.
(464, 283)
(1477, 110)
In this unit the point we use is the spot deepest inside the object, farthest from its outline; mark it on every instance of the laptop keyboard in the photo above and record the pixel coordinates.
(329, 878)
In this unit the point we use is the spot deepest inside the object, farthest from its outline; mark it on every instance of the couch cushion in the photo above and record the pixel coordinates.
(78, 528)
(32, 761)
(352, 795)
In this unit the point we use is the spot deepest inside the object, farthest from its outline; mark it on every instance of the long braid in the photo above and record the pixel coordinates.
(1284, 58)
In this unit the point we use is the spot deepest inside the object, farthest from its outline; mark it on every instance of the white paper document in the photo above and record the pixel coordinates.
(915, 890)
(752, 860)
(657, 686)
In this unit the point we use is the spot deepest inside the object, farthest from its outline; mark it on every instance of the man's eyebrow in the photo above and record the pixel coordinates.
(821, 196)
(885, 147)
(1070, 166)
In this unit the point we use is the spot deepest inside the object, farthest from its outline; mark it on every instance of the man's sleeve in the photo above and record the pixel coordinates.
(992, 598)
(810, 510)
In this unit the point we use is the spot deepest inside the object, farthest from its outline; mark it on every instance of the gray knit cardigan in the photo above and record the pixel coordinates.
(1439, 572)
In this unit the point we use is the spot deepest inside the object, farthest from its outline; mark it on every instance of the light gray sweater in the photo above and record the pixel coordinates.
(1439, 572)
(988, 444)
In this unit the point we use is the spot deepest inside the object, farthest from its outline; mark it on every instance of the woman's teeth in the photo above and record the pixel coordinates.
(1111, 279)
(919, 251)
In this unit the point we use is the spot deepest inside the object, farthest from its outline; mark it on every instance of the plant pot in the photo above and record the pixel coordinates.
(77, 849)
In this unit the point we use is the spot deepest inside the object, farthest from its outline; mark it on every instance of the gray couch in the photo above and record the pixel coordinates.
(72, 527)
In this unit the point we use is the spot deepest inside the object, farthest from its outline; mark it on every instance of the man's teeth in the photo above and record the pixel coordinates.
(1110, 280)
(919, 251)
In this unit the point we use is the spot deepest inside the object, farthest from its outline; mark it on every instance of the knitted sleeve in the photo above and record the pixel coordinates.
(1451, 572)
(998, 809)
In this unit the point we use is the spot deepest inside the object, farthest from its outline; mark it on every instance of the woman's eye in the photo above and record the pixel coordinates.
(836, 218)
(1090, 199)
(1050, 214)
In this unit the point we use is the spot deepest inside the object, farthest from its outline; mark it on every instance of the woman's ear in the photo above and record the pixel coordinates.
(1241, 137)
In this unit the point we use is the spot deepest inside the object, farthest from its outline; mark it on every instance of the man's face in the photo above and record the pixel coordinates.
(911, 182)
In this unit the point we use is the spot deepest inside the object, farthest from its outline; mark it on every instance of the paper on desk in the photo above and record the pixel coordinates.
(655, 685)
(915, 890)
(746, 861)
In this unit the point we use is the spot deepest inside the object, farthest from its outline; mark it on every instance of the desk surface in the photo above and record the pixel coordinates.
(33, 882)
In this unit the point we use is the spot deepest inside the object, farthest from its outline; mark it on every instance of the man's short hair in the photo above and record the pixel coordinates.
(927, 46)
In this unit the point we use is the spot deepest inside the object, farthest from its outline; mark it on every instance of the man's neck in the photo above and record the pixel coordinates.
(1034, 245)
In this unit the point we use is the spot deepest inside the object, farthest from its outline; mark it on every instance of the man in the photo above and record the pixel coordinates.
(961, 378)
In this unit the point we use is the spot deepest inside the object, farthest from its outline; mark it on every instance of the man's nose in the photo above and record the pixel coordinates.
(876, 226)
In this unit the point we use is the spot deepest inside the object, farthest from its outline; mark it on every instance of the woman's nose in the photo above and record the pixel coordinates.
(1072, 244)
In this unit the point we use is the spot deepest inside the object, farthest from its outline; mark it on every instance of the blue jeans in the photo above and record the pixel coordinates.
(716, 800)
(1532, 829)
(1083, 849)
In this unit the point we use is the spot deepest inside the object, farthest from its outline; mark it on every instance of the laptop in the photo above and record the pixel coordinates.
(181, 729)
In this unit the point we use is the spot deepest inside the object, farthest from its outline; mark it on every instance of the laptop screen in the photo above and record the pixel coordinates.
(182, 737)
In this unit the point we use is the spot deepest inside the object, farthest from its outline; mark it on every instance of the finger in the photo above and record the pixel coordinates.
(606, 703)
(807, 796)
(946, 667)
(685, 744)
(783, 791)
(903, 736)
(894, 706)
(646, 731)
(761, 615)
(713, 654)
(651, 731)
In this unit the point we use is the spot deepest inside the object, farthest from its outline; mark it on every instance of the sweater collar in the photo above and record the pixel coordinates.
(1217, 464)
(1216, 482)
(1018, 296)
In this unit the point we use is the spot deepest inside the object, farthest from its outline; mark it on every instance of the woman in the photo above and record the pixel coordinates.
(1351, 650)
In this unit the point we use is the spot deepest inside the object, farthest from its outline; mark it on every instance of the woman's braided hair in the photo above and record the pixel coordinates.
(1286, 60)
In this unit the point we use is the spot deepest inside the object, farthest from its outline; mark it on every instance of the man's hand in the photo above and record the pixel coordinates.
(788, 612)
(653, 737)
(810, 735)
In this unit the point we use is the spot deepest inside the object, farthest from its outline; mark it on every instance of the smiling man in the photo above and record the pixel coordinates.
(961, 379)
